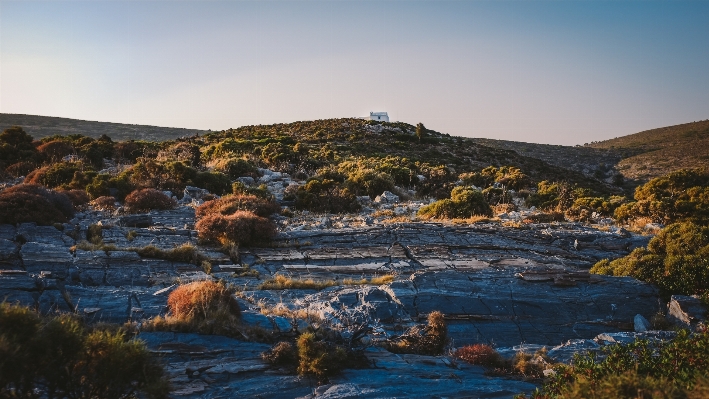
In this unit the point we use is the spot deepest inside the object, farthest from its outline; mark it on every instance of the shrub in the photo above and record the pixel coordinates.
(230, 204)
(583, 208)
(186, 253)
(20, 168)
(239, 188)
(55, 150)
(282, 354)
(556, 196)
(202, 301)
(464, 203)
(677, 196)
(55, 175)
(319, 358)
(107, 185)
(369, 182)
(242, 227)
(104, 203)
(214, 182)
(677, 260)
(479, 354)
(235, 168)
(666, 368)
(33, 203)
(16, 146)
(148, 199)
(325, 196)
(428, 340)
(77, 197)
(58, 357)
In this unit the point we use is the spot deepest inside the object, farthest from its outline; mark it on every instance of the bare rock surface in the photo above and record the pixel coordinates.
(516, 288)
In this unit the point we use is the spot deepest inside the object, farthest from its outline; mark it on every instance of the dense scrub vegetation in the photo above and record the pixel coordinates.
(60, 357)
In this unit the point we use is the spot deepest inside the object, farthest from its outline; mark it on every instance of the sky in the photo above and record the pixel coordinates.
(556, 72)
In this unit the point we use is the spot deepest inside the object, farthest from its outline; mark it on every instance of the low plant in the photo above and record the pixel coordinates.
(148, 199)
(465, 202)
(60, 357)
(242, 227)
(185, 253)
(423, 340)
(281, 282)
(479, 354)
(33, 203)
(230, 204)
(319, 358)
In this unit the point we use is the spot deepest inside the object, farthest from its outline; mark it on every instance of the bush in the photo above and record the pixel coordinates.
(214, 182)
(58, 357)
(230, 204)
(202, 301)
(33, 203)
(77, 197)
(186, 253)
(148, 199)
(557, 196)
(16, 146)
(55, 150)
(242, 227)
(235, 168)
(106, 185)
(369, 182)
(325, 196)
(465, 202)
(677, 196)
(479, 354)
(665, 368)
(583, 208)
(319, 358)
(677, 260)
(428, 340)
(55, 175)
(20, 168)
(104, 203)
(282, 354)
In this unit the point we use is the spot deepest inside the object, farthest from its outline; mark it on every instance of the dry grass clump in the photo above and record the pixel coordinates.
(185, 253)
(206, 307)
(479, 354)
(423, 340)
(148, 199)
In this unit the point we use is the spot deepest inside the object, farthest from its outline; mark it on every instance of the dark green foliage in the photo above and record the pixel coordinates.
(319, 358)
(16, 146)
(239, 188)
(583, 208)
(669, 369)
(214, 182)
(677, 260)
(32, 203)
(325, 196)
(236, 167)
(556, 196)
(106, 185)
(369, 182)
(674, 197)
(59, 357)
(60, 174)
(464, 203)
(428, 340)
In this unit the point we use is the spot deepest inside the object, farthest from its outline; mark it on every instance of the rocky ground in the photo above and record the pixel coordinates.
(517, 288)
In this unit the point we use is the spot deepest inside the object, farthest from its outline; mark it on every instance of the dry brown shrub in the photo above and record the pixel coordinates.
(202, 300)
(20, 168)
(148, 199)
(34, 203)
(230, 204)
(55, 150)
(479, 354)
(282, 354)
(77, 197)
(503, 208)
(428, 340)
(242, 227)
(104, 203)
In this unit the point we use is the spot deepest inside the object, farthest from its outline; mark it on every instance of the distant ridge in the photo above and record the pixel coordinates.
(44, 126)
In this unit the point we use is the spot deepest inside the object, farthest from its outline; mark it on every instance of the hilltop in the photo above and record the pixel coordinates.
(656, 152)
(46, 126)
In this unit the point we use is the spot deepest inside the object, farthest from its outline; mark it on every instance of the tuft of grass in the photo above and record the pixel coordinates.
(185, 253)
(98, 246)
(479, 354)
(131, 235)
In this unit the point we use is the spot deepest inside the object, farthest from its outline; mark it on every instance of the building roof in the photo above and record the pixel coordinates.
(378, 113)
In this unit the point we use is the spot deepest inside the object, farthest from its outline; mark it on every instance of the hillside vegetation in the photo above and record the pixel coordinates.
(656, 152)
(45, 126)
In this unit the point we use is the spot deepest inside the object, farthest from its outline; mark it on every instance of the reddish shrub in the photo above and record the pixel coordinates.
(77, 197)
(105, 203)
(20, 168)
(229, 204)
(242, 227)
(201, 300)
(55, 150)
(480, 354)
(148, 199)
(33, 203)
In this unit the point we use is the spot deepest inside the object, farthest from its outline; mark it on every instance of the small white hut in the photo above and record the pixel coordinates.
(379, 116)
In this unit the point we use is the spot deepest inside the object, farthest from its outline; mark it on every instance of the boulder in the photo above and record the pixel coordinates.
(686, 311)
(387, 197)
(641, 324)
(195, 192)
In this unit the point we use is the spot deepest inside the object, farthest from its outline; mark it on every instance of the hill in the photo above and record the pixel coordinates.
(656, 152)
(45, 126)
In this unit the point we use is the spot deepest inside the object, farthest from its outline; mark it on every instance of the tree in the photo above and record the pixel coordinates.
(420, 130)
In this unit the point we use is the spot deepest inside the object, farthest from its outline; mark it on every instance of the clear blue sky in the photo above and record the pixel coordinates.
(561, 72)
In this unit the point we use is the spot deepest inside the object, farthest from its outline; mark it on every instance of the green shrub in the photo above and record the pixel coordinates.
(325, 196)
(319, 358)
(148, 199)
(16, 146)
(556, 196)
(59, 357)
(428, 340)
(55, 175)
(677, 196)
(214, 182)
(677, 260)
(369, 182)
(664, 369)
(583, 208)
(103, 185)
(230, 204)
(33, 203)
(239, 188)
(236, 167)
(465, 202)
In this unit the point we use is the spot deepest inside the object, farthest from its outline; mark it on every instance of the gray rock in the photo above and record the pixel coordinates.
(135, 221)
(195, 192)
(686, 311)
(38, 257)
(247, 180)
(641, 324)
(387, 197)
(8, 249)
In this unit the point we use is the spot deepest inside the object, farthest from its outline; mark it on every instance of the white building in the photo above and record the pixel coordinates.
(379, 116)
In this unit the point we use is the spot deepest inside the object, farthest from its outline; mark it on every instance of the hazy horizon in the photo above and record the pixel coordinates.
(546, 72)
